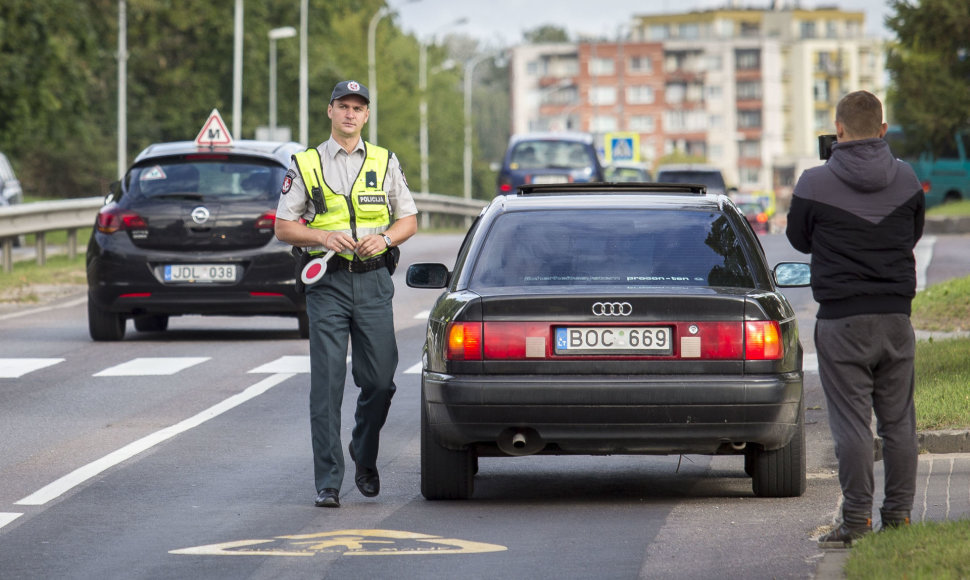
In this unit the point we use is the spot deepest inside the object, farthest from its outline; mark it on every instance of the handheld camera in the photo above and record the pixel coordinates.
(825, 143)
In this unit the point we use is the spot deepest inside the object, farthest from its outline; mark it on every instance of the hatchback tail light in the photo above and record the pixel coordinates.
(113, 219)
(926, 186)
(266, 221)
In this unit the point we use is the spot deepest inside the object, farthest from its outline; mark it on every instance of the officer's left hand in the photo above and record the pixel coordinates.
(370, 245)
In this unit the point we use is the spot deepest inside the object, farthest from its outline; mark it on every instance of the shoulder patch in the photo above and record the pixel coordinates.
(288, 181)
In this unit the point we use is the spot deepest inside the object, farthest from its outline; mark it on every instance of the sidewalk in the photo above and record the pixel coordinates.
(942, 494)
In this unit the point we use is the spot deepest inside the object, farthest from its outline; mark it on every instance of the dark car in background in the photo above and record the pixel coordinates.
(601, 319)
(706, 175)
(189, 230)
(542, 158)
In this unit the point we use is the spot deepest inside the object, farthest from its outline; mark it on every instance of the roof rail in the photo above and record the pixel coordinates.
(612, 188)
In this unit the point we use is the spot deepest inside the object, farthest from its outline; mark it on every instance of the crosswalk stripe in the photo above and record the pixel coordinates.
(152, 366)
(7, 517)
(285, 364)
(424, 314)
(12, 368)
(414, 369)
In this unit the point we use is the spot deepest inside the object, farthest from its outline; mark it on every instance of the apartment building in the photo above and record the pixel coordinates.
(747, 89)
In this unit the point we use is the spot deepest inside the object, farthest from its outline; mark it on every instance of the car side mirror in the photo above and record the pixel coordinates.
(792, 274)
(427, 275)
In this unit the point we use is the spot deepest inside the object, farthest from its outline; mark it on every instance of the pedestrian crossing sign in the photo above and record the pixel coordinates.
(622, 147)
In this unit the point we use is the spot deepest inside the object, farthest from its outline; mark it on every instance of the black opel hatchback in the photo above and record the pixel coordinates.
(605, 319)
(189, 230)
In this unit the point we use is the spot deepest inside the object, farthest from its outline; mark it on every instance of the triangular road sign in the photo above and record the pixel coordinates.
(214, 132)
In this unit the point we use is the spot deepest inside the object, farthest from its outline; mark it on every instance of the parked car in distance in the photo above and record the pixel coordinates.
(536, 158)
(945, 174)
(706, 175)
(10, 189)
(189, 230)
(611, 319)
(622, 172)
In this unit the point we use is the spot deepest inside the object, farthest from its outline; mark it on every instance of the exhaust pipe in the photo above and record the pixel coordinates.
(520, 441)
(738, 446)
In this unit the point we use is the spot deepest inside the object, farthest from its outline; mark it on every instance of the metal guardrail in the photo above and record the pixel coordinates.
(41, 217)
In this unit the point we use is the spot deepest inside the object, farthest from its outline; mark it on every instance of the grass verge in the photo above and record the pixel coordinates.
(954, 208)
(930, 550)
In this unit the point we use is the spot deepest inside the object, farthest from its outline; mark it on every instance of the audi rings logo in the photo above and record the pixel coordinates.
(200, 215)
(612, 309)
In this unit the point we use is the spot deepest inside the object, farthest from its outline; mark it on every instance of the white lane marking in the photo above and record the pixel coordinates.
(12, 368)
(153, 366)
(32, 311)
(414, 369)
(86, 472)
(423, 315)
(7, 517)
(285, 364)
(810, 362)
(924, 255)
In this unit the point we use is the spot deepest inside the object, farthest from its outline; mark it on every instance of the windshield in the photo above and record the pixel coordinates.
(551, 154)
(605, 247)
(711, 179)
(237, 178)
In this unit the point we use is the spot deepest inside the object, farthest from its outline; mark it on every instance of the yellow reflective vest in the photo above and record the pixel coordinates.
(365, 211)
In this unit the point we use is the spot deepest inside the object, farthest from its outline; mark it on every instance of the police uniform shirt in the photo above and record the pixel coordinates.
(340, 170)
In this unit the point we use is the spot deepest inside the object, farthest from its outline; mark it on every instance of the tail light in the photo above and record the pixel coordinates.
(113, 219)
(762, 218)
(926, 186)
(762, 340)
(267, 220)
(465, 341)
(753, 340)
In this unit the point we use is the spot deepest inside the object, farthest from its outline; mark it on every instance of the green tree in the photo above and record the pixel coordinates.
(545, 34)
(930, 69)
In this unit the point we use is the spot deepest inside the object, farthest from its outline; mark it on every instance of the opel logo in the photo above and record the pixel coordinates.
(612, 309)
(200, 215)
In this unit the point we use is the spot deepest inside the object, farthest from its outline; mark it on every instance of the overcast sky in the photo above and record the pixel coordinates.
(501, 22)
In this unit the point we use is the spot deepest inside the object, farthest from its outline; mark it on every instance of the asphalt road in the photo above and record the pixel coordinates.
(186, 454)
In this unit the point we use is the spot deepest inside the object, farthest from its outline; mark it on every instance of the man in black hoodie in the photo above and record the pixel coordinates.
(860, 216)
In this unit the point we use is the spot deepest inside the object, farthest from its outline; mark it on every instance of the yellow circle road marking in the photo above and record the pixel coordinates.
(348, 542)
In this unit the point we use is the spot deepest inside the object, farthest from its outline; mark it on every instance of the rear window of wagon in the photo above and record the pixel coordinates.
(611, 247)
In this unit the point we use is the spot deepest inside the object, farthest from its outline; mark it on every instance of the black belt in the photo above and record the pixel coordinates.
(357, 266)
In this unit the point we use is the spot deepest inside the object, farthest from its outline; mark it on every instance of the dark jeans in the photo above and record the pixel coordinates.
(866, 364)
(357, 305)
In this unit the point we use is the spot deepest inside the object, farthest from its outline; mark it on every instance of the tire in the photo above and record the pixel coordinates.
(781, 472)
(445, 474)
(303, 321)
(104, 325)
(151, 323)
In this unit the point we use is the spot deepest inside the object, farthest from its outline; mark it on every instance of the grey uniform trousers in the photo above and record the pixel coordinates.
(357, 305)
(866, 364)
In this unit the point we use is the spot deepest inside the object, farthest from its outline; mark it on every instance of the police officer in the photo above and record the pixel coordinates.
(348, 193)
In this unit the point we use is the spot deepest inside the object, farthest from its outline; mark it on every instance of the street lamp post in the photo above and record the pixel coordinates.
(372, 71)
(469, 71)
(274, 35)
(423, 104)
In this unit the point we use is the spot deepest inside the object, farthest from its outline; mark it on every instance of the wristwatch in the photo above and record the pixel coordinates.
(387, 240)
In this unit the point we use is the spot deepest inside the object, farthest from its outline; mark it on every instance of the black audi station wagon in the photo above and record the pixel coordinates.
(601, 319)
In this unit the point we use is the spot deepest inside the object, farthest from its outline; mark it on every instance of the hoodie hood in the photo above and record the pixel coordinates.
(865, 165)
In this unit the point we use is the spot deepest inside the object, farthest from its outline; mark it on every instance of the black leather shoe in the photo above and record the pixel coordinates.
(327, 498)
(367, 479)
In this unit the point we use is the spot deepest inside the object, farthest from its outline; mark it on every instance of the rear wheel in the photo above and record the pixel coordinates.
(151, 323)
(781, 472)
(445, 474)
(104, 325)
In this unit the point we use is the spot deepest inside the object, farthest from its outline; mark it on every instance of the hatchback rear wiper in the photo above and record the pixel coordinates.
(182, 195)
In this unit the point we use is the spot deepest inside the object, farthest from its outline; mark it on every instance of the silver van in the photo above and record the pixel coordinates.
(10, 191)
